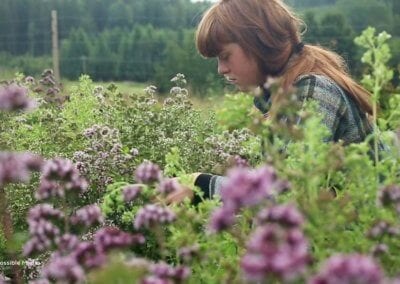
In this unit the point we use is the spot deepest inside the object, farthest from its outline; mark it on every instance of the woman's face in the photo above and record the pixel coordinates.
(239, 68)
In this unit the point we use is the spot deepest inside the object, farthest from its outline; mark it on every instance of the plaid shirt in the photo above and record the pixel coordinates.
(341, 114)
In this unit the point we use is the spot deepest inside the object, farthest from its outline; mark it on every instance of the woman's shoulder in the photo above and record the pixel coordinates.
(319, 87)
(317, 82)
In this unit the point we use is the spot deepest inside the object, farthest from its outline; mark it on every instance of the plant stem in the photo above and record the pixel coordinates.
(159, 234)
(7, 226)
(65, 210)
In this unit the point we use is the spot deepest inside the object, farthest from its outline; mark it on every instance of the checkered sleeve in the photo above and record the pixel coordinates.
(331, 103)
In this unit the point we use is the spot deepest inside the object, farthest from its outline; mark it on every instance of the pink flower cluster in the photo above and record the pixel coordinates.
(151, 215)
(17, 167)
(348, 269)
(88, 216)
(167, 186)
(278, 248)
(130, 192)
(42, 231)
(74, 257)
(390, 196)
(148, 172)
(60, 176)
(285, 215)
(245, 187)
(164, 273)
(14, 97)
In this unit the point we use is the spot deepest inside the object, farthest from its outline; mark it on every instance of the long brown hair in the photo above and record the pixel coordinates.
(269, 31)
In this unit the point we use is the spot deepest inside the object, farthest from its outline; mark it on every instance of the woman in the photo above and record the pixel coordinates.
(254, 40)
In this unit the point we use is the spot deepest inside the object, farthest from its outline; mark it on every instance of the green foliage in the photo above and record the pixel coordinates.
(332, 30)
(26, 64)
(376, 57)
(236, 111)
(335, 187)
(181, 56)
(364, 13)
(173, 162)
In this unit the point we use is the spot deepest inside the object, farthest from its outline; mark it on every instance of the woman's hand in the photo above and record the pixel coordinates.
(183, 191)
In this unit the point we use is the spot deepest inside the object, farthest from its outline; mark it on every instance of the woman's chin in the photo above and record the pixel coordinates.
(245, 88)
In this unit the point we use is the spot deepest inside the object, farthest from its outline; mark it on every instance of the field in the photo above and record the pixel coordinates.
(86, 172)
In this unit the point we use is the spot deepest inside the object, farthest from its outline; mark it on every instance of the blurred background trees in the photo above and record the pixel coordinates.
(151, 40)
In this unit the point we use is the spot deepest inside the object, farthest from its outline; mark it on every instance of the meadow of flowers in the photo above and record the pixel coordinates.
(85, 175)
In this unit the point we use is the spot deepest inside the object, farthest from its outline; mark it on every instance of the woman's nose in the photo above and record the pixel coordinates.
(222, 68)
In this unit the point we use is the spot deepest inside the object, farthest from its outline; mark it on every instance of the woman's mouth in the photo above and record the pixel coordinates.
(230, 80)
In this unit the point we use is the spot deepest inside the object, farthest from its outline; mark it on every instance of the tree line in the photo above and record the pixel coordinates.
(151, 40)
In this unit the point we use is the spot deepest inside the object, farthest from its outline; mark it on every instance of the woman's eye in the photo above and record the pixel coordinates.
(223, 57)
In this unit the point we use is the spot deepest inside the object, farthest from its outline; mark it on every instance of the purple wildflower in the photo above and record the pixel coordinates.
(167, 186)
(285, 215)
(148, 172)
(389, 195)
(379, 249)
(91, 132)
(246, 187)
(89, 255)
(59, 176)
(43, 229)
(393, 231)
(48, 78)
(153, 214)
(64, 269)
(189, 252)
(164, 271)
(240, 162)
(378, 230)
(130, 192)
(44, 211)
(53, 91)
(35, 245)
(16, 167)
(348, 269)
(67, 243)
(14, 97)
(88, 216)
(111, 237)
(274, 252)
(221, 219)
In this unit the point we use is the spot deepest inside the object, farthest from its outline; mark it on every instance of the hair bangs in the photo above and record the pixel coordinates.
(212, 34)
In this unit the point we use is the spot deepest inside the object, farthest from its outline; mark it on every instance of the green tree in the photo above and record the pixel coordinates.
(74, 54)
(333, 31)
(119, 15)
(102, 62)
(364, 13)
(181, 56)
